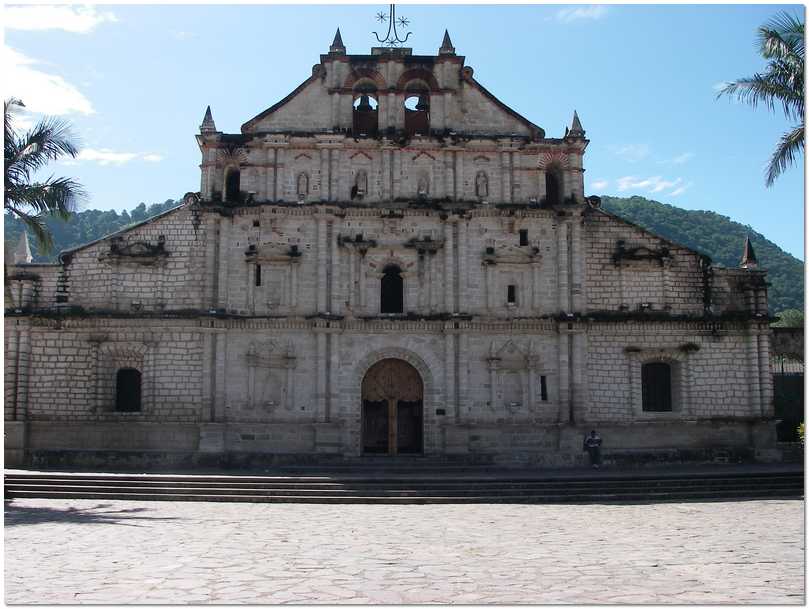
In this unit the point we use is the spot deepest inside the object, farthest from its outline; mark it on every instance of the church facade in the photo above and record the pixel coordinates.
(388, 261)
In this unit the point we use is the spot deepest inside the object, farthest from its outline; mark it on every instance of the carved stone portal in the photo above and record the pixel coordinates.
(392, 404)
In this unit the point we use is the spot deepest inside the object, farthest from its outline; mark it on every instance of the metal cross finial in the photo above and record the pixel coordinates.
(392, 39)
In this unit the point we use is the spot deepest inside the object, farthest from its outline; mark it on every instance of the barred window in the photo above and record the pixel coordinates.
(656, 387)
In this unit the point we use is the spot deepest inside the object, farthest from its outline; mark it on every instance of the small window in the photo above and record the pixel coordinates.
(523, 237)
(512, 294)
(258, 275)
(127, 390)
(656, 387)
(256, 224)
(392, 290)
(543, 388)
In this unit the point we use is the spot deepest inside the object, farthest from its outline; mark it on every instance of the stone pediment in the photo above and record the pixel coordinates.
(511, 254)
(273, 253)
(622, 252)
(511, 356)
(136, 252)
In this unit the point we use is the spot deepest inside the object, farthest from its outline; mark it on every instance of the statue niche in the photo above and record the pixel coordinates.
(481, 185)
(302, 186)
(360, 188)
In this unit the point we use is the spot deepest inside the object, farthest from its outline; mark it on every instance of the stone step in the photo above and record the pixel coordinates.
(499, 498)
(415, 489)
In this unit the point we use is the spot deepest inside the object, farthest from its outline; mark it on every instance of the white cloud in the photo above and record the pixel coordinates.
(41, 92)
(653, 184)
(77, 20)
(105, 156)
(631, 153)
(682, 158)
(680, 190)
(599, 184)
(594, 11)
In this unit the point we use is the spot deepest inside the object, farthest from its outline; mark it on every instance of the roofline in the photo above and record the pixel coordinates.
(126, 229)
(279, 104)
(506, 108)
(655, 235)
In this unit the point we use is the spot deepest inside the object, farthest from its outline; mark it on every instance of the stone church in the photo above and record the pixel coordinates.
(389, 261)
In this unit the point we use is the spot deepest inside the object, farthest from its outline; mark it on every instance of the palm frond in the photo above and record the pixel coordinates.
(789, 147)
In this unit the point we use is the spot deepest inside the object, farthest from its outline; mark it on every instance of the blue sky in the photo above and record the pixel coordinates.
(135, 81)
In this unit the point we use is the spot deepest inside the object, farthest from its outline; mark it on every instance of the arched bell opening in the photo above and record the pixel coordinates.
(365, 113)
(554, 191)
(392, 409)
(417, 112)
(232, 183)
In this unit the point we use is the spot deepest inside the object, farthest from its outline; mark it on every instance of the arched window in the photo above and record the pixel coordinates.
(392, 290)
(417, 113)
(232, 184)
(366, 113)
(128, 390)
(656, 387)
(553, 186)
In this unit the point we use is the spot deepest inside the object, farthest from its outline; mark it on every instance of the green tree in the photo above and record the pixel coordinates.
(789, 318)
(26, 197)
(781, 43)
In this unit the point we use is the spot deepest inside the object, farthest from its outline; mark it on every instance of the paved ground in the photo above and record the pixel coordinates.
(86, 551)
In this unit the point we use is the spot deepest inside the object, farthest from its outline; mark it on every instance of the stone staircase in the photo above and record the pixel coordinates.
(372, 485)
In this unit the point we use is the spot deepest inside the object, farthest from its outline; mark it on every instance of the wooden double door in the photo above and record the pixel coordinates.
(392, 409)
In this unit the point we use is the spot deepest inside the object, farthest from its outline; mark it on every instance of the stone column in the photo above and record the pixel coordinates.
(23, 370)
(577, 260)
(10, 384)
(562, 266)
(220, 375)
(324, 174)
(280, 174)
(563, 353)
(448, 279)
(224, 255)
(766, 384)
(335, 283)
(449, 369)
(320, 375)
(322, 257)
(753, 374)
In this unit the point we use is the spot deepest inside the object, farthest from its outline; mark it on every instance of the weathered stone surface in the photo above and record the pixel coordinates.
(77, 551)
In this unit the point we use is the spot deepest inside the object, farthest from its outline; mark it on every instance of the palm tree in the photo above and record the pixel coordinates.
(781, 85)
(29, 199)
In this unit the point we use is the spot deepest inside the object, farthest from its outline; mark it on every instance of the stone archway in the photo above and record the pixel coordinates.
(392, 409)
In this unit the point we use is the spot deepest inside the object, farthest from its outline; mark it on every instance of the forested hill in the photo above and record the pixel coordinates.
(717, 236)
(83, 227)
(720, 238)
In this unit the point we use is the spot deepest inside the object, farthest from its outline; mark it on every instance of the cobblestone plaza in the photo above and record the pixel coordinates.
(90, 551)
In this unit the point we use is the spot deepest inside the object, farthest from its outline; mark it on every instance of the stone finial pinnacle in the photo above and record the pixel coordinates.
(22, 253)
(749, 260)
(337, 45)
(446, 45)
(207, 126)
(576, 130)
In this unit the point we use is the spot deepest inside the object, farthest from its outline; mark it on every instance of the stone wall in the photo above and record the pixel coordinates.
(95, 277)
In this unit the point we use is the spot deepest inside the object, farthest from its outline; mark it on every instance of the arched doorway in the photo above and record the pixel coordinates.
(392, 408)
